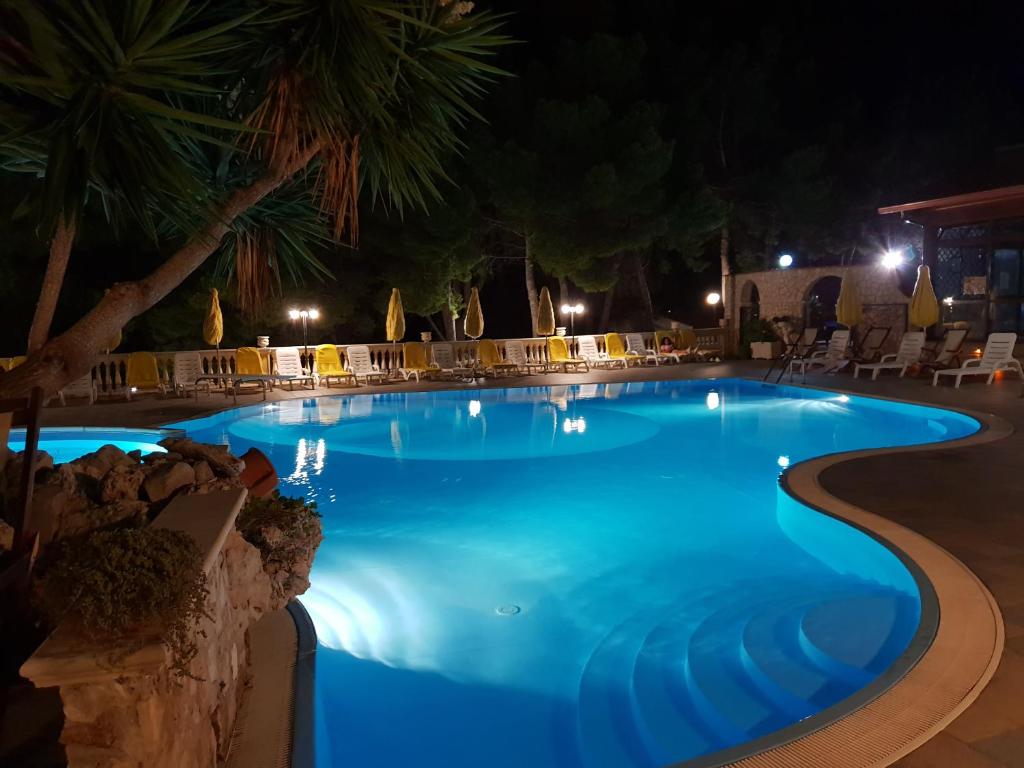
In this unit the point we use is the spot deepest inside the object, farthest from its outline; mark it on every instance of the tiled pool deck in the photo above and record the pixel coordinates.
(966, 499)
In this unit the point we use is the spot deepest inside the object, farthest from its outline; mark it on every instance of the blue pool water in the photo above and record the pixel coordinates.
(593, 577)
(68, 443)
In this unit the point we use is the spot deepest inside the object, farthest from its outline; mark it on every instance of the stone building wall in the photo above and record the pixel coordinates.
(784, 292)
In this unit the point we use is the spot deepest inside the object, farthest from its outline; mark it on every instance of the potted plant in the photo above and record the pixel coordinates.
(760, 338)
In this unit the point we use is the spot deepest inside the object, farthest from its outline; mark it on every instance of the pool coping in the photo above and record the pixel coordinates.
(939, 675)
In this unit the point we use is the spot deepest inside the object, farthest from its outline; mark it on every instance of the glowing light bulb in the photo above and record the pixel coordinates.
(892, 259)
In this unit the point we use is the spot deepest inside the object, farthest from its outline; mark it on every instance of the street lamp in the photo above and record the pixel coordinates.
(305, 315)
(572, 310)
(713, 299)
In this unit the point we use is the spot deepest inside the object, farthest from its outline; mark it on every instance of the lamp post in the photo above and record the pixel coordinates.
(572, 310)
(305, 315)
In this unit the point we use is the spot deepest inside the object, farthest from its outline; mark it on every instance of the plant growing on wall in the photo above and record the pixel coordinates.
(129, 585)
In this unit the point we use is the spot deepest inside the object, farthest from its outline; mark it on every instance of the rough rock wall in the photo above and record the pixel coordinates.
(163, 721)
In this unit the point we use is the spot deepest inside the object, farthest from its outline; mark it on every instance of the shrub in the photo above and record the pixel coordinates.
(126, 586)
(280, 527)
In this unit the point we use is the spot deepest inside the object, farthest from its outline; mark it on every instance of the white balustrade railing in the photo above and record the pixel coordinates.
(110, 370)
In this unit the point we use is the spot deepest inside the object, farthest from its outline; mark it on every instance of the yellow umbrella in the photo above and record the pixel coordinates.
(848, 310)
(924, 306)
(545, 314)
(213, 325)
(396, 317)
(474, 316)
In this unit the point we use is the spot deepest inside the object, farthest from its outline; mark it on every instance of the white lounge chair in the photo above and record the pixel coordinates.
(948, 355)
(587, 346)
(909, 353)
(444, 358)
(289, 368)
(832, 358)
(998, 356)
(360, 363)
(515, 353)
(635, 346)
(83, 387)
(188, 373)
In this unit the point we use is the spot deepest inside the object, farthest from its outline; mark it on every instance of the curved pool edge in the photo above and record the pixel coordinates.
(940, 674)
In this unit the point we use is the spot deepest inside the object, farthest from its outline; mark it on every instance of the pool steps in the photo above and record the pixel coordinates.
(738, 673)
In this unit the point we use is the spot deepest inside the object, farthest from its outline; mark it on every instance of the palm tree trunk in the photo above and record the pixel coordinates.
(71, 355)
(53, 280)
(531, 288)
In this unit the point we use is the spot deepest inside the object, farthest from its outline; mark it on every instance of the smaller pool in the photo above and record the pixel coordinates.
(68, 443)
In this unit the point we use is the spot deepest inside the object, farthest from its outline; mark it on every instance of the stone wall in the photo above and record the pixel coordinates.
(159, 720)
(784, 292)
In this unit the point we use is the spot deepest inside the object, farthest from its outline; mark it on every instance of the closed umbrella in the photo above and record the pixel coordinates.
(395, 325)
(213, 326)
(924, 306)
(545, 314)
(848, 309)
(474, 316)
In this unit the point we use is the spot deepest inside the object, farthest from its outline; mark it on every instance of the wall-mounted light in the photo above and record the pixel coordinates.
(891, 259)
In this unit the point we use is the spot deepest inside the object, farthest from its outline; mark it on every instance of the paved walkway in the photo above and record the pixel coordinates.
(965, 499)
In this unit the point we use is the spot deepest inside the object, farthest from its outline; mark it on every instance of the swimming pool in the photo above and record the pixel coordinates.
(597, 576)
(68, 443)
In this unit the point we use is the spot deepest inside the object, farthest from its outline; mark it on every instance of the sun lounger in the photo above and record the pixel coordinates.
(831, 359)
(589, 352)
(360, 363)
(83, 387)
(636, 347)
(142, 375)
(329, 367)
(414, 361)
(616, 350)
(515, 353)
(491, 363)
(950, 353)
(444, 358)
(998, 356)
(289, 368)
(189, 374)
(559, 358)
(909, 353)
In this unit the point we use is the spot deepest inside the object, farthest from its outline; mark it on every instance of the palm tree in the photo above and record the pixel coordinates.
(197, 119)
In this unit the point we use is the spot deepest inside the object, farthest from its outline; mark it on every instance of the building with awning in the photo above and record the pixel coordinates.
(974, 245)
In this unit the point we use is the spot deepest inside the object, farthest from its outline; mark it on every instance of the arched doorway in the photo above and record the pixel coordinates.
(820, 303)
(750, 303)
